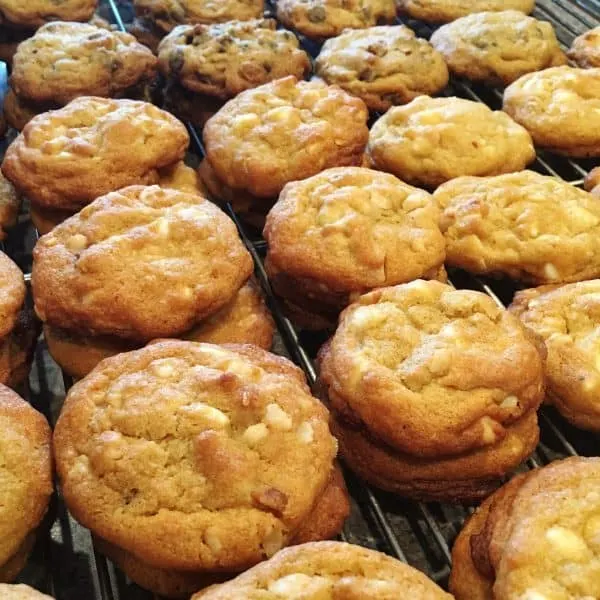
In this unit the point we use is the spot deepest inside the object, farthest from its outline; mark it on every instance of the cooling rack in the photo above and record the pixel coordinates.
(65, 563)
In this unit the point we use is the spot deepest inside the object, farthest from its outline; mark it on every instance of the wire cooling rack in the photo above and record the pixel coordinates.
(65, 563)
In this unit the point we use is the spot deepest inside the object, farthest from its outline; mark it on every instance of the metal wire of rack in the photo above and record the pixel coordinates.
(65, 563)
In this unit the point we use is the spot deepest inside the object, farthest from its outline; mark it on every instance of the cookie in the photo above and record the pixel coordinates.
(498, 47)
(245, 320)
(10, 203)
(145, 32)
(166, 14)
(284, 131)
(230, 452)
(383, 66)
(348, 230)
(225, 59)
(328, 18)
(66, 158)
(21, 592)
(592, 181)
(471, 362)
(432, 140)
(327, 570)
(35, 13)
(12, 294)
(560, 109)
(443, 11)
(534, 228)
(585, 49)
(26, 472)
(18, 112)
(140, 263)
(567, 318)
(65, 60)
(528, 539)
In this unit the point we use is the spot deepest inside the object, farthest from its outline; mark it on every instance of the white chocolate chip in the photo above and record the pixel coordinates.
(298, 585)
(533, 595)
(551, 272)
(277, 418)
(568, 543)
(591, 532)
(305, 433)
(77, 242)
(273, 542)
(255, 434)
(245, 122)
(510, 402)
(161, 226)
(210, 413)
(489, 435)
(162, 368)
(212, 540)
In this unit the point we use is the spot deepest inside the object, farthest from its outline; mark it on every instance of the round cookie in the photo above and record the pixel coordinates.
(140, 263)
(585, 49)
(560, 107)
(225, 59)
(35, 13)
(10, 203)
(19, 112)
(66, 158)
(498, 47)
(567, 318)
(349, 229)
(65, 60)
(525, 225)
(166, 14)
(227, 453)
(327, 570)
(12, 294)
(328, 18)
(284, 131)
(20, 592)
(529, 538)
(592, 181)
(443, 11)
(26, 473)
(424, 343)
(384, 65)
(432, 140)
(245, 320)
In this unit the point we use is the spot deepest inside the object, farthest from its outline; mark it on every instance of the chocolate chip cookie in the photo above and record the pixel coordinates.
(35, 13)
(443, 11)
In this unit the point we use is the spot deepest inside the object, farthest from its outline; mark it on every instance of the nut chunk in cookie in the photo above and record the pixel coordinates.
(536, 537)
(470, 363)
(327, 570)
(225, 59)
(498, 47)
(328, 18)
(65, 159)
(140, 263)
(346, 231)
(444, 11)
(284, 131)
(567, 318)
(222, 445)
(560, 107)
(384, 65)
(432, 140)
(525, 225)
(65, 60)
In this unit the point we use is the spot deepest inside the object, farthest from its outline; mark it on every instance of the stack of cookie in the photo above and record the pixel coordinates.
(19, 19)
(63, 61)
(18, 328)
(434, 392)
(65, 159)
(205, 65)
(139, 264)
(343, 232)
(156, 18)
(222, 451)
(282, 131)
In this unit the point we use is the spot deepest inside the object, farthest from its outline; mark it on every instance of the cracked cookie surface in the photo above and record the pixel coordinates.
(140, 263)
(382, 65)
(498, 47)
(220, 448)
(528, 226)
(284, 131)
(66, 158)
(560, 107)
(227, 58)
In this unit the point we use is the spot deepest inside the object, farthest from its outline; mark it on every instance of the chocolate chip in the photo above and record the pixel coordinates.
(316, 14)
